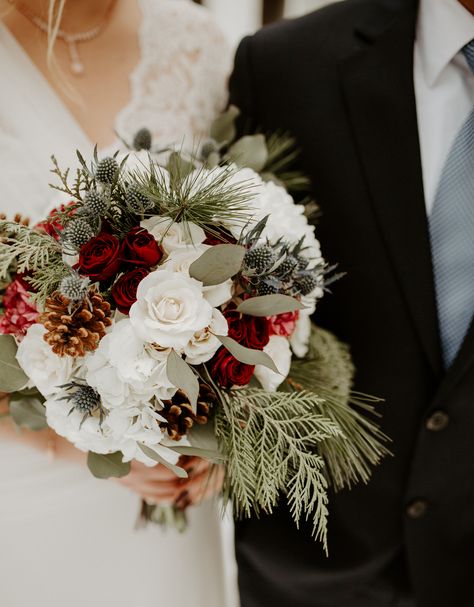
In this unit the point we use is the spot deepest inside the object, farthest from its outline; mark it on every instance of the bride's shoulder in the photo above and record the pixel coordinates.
(185, 19)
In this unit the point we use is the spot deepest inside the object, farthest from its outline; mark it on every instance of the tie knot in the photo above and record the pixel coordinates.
(468, 51)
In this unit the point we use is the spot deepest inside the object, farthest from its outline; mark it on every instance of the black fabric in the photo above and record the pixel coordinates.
(341, 80)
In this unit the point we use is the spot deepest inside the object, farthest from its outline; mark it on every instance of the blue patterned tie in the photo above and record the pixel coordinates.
(452, 237)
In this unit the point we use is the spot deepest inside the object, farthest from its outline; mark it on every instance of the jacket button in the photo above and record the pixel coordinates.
(417, 509)
(438, 421)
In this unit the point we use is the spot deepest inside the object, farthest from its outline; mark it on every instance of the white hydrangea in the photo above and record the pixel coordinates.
(204, 344)
(46, 370)
(126, 371)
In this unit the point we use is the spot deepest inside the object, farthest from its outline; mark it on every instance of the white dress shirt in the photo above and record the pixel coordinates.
(444, 83)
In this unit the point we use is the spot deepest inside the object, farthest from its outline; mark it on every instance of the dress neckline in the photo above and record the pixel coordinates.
(116, 143)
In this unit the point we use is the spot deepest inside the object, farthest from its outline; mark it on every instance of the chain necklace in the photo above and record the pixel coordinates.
(71, 40)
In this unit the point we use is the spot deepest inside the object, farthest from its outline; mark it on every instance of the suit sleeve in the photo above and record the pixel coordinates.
(241, 87)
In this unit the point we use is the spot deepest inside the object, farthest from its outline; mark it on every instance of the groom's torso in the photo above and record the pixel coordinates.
(341, 80)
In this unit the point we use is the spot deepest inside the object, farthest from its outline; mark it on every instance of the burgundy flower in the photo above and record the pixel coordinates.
(124, 291)
(99, 258)
(20, 313)
(250, 331)
(139, 248)
(228, 371)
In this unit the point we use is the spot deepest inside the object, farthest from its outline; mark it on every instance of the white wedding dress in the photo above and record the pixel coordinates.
(66, 539)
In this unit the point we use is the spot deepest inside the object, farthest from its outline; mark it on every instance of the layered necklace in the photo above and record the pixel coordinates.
(70, 39)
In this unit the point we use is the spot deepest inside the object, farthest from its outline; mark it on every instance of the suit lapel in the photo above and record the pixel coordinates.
(378, 86)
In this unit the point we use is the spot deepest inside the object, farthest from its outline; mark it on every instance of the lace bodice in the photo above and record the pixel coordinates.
(179, 85)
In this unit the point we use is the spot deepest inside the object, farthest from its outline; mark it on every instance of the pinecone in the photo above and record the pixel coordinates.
(179, 414)
(73, 330)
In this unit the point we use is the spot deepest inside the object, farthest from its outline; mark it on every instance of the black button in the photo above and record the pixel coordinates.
(438, 421)
(417, 509)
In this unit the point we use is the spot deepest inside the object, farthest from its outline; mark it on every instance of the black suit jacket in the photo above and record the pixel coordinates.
(341, 80)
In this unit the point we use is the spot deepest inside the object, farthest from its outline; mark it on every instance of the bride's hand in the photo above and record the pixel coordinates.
(158, 485)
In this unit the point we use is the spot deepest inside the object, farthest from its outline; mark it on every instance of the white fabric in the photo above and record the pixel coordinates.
(67, 539)
(444, 84)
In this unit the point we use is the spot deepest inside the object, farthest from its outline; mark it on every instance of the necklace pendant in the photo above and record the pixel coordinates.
(77, 68)
(76, 65)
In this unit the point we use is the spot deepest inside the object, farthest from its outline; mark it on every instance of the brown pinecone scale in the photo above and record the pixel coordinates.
(179, 414)
(73, 330)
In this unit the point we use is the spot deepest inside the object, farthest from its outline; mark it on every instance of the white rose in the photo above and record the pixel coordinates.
(204, 344)
(46, 370)
(170, 309)
(278, 348)
(126, 371)
(181, 259)
(173, 235)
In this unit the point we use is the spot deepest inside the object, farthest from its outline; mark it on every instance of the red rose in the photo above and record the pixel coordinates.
(284, 324)
(250, 331)
(124, 291)
(228, 371)
(99, 258)
(140, 248)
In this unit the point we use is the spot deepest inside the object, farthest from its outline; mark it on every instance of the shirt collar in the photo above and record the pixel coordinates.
(444, 27)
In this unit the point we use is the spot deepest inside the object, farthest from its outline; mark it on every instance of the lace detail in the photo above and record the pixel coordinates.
(179, 85)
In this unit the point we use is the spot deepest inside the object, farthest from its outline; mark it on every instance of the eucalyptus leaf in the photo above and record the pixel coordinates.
(12, 376)
(250, 151)
(217, 264)
(107, 465)
(179, 167)
(223, 128)
(212, 456)
(247, 355)
(180, 472)
(181, 375)
(269, 305)
(28, 412)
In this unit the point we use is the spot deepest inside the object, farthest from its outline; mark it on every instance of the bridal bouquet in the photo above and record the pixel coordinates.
(164, 311)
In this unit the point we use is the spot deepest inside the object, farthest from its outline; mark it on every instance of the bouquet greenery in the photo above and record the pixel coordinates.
(164, 311)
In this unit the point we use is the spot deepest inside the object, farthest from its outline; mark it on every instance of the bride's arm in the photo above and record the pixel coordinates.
(155, 485)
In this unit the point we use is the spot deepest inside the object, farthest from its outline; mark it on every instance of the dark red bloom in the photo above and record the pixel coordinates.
(124, 291)
(250, 331)
(220, 236)
(228, 371)
(20, 313)
(100, 257)
(51, 225)
(139, 248)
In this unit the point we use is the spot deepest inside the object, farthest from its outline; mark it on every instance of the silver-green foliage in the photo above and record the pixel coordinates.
(271, 441)
(328, 371)
(35, 252)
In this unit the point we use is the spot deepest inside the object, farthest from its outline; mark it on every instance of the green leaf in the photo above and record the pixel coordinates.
(246, 355)
(12, 376)
(223, 128)
(181, 375)
(269, 305)
(218, 264)
(212, 456)
(250, 151)
(180, 472)
(108, 465)
(28, 412)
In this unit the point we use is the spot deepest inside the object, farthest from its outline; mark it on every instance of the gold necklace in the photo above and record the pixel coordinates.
(71, 40)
